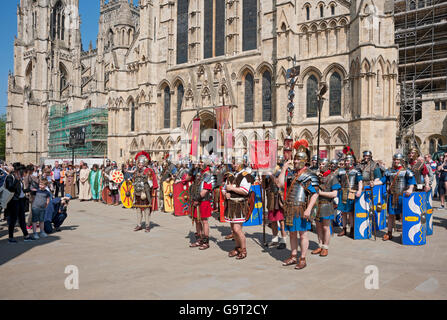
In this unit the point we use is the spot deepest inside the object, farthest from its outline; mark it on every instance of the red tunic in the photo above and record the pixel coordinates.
(205, 206)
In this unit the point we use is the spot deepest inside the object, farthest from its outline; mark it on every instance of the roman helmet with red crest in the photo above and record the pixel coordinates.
(302, 152)
(143, 157)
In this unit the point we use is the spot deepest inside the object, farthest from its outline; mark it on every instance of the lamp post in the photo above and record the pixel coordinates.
(34, 133)
(320, 94)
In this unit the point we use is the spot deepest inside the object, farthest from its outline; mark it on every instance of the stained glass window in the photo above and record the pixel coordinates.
(312, 102)
(266, 96)
(249, 24)
(167, 107)
(182, 31)
(248, 99)
(180, 94)
(335, 95)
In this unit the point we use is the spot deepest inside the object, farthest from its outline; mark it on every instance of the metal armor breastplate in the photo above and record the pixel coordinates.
(368, 171)
(297, 193)
(195, 188)
(349, 179)
(207, 178)
(139, 183)
(400, 184)
(417, 171)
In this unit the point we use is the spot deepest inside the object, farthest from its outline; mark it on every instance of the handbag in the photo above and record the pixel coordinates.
(5, 197)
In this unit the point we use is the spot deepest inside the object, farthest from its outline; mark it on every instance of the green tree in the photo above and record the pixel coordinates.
(2, 136)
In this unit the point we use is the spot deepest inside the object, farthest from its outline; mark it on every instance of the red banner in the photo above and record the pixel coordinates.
(263, 154)
(228, 145)
(195, 137)
(222, 116)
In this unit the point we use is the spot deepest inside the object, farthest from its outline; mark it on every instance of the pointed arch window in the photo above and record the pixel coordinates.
(335, 95)
(248, 97)
(180, 94)
(57, 22)
(267, 96)
(63, 80)
(312, 103)
(249, 24)
(182, 31)
(214, 29)
(167, 108)
(132, 116)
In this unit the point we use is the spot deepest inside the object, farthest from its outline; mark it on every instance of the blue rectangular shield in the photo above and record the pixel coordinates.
(380, 207)
(362, 225)
(256, 215)
(338, 220)
(414, 226)
(429, 213)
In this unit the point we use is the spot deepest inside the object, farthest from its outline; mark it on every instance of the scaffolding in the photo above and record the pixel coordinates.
(95, 121)
(421, 33)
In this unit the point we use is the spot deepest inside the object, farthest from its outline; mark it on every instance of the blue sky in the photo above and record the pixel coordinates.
(89, 11)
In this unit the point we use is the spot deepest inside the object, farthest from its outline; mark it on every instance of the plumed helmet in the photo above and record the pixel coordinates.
(143, 157)
(367, 153)
(302, 152)
(314, 158)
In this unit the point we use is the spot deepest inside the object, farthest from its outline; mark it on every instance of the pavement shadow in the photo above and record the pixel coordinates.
(440, 222)
(12, 251)
(69, 228)
(224, 230)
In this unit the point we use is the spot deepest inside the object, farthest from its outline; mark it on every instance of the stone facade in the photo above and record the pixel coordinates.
(160, 64)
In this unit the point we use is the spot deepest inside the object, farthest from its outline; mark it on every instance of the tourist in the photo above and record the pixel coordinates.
(56, 178)
(442, 169)
(56, 213)
(70, 181)
(40, 203)
(95, 182)
(15, 208)
(84, 185)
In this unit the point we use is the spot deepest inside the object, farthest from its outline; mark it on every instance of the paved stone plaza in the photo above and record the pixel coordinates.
(114, 262)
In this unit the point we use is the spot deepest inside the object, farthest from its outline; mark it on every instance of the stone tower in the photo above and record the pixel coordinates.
(373, 77)
(47, 71)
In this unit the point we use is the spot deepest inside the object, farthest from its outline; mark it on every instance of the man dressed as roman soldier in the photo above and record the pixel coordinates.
(370, 170)
(145, 185)
(351, 187)
(313, 164)
(329, 186)
(275, 206)
(237, 211)
(420, 170)
(201, 192)
(301, 188)
(400, 181)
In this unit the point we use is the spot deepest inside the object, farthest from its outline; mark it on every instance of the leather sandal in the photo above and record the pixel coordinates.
(242, 254)
(301, 264)
(138, 228)
(341, 234)
(148, 229)
(317, 251)
(196, 244)
(289, 261)
(324, 252)
(234, 252)
(388, 236)
(205, 244)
